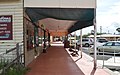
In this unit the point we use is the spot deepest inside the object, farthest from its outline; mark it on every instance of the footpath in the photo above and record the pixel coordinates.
(86, 64)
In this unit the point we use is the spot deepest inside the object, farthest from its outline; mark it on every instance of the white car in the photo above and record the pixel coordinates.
(85, 42)
(101, 41)
(118, 39)
(111, 46)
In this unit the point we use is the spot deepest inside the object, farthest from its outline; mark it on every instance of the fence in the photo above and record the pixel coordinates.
(110, 60)
(12, 57)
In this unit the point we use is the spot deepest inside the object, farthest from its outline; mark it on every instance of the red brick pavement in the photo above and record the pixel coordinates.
(55, 62)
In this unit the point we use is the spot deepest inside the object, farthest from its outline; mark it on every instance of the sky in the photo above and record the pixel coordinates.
(107, 17)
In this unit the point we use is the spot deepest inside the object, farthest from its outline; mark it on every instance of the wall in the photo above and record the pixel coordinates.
(14, 8)
(61, 3)
(29, 53)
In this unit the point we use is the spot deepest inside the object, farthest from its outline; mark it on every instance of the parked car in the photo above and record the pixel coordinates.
(85, 42)
(101, 41)
(110, 46)
(118, 39)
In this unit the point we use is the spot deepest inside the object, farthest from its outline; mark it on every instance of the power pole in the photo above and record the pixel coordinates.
(100, 29)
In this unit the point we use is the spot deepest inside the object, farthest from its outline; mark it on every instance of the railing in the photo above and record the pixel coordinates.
(12, 57)
(112, 56)
(105, 58)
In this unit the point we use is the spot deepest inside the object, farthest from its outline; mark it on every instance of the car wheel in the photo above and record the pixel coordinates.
(87, 45)
(99, 50)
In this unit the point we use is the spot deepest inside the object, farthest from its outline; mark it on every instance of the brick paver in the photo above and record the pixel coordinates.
(58, 61)
(55, 62)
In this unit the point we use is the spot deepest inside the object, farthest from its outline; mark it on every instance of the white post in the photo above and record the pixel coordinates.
(75, 40)
(95, 33)
(114, 55)
(70, 41)
(103, 58)
(95, 52)
(81, 42)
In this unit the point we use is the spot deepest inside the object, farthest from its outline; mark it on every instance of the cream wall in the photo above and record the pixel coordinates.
(14, 8)
(29, 54)
(61, 3)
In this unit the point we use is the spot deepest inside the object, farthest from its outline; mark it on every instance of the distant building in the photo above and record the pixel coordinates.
(109, 37)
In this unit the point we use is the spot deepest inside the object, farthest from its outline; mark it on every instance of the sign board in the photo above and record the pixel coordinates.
(6, 27)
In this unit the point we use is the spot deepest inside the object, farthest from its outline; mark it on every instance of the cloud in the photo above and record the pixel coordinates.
(107, 14)
(104, 6)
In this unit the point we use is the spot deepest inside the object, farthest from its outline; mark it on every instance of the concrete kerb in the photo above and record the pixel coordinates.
(90, 59)
(100, 66)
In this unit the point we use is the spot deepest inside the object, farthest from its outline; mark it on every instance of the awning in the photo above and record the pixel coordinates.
(82, 17)
(79, 25)
(77, 14)
(65, 16)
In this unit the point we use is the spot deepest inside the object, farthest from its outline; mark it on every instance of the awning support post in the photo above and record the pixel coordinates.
(81, 42)
(95, 33)
(49, 39)
(95, 52)
(44, 45)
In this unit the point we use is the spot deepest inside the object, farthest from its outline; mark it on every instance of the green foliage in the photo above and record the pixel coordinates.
(77, 37)
(118, 29)
(85, 36)
(14, 69)
(1, 65)
(100, 33)
(3, 62)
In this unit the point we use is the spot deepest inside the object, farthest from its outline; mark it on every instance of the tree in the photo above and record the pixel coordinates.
(86, 35)
(118, 29)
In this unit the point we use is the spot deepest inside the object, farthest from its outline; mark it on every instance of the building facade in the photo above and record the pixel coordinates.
(17, 27)
(11, 24)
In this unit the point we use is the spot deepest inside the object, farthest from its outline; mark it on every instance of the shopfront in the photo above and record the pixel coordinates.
(36, 40)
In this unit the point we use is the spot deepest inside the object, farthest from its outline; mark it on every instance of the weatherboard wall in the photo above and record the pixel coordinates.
(15, 9)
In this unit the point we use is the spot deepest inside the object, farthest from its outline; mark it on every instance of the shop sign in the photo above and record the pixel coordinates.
(6, 27)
